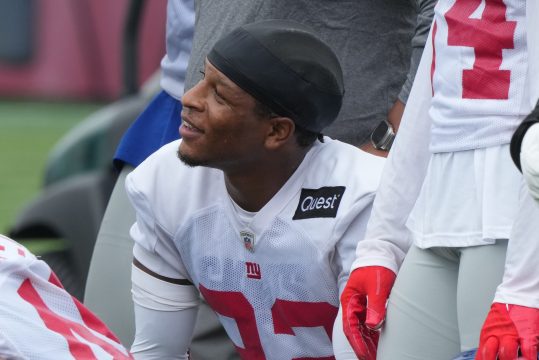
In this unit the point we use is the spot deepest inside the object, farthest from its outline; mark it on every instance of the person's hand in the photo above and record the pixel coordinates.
(506, 329)
(364, 302)
(529, 159)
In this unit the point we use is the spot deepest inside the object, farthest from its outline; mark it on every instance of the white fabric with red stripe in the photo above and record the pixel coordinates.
(38, 317)
(488, 74)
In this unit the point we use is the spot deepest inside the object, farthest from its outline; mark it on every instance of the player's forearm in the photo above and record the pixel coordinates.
(162, 334)
(165, 312)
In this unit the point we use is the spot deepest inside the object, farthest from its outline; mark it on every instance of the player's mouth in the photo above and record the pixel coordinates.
(188, 130)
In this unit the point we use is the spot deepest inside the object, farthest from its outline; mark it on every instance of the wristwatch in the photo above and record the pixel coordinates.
(382, 136)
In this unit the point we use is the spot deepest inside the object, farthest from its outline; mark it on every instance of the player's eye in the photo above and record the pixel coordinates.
(203, 73)
(218, 97)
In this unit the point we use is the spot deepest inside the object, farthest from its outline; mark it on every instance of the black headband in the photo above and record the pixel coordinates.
(285, 66)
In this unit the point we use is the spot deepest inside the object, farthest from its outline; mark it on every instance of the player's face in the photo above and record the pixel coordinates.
(220, 127)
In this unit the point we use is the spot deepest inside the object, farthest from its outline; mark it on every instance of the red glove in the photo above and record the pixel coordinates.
(364, 308)
(507, 328)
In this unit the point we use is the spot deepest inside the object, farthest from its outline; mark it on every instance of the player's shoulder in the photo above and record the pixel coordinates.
(163, 173)
(338, 162)
(165, 188)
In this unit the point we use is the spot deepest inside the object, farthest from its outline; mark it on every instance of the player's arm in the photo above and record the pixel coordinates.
(421, 33)
(165, 299)
(386, 239)
(165, 310)
(382, 250)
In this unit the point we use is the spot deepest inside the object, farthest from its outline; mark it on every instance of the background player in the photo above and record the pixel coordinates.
(451, 165)
(40, 320)
(261, 217)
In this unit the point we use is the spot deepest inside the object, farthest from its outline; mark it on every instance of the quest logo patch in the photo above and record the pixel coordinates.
(319, 203)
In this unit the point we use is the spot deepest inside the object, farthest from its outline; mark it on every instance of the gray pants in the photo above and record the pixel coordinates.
(108, 288)
(440, 300)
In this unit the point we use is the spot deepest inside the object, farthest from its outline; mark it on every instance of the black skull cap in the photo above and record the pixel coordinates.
(286, 67)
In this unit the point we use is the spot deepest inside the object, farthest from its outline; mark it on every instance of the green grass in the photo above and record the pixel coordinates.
(28, 131)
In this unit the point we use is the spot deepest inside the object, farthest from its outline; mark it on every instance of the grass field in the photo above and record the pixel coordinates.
(28, 131)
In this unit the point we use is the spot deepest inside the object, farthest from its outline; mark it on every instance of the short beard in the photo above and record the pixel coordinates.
(189, 161)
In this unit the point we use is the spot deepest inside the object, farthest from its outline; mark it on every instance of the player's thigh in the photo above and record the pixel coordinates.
(108, 287)
(481, 271)
(421, 320)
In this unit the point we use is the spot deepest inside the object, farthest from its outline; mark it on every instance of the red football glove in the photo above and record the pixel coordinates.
(507, 328)
(364, 308)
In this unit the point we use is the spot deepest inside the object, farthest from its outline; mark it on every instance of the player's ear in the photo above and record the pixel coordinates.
(280, 132)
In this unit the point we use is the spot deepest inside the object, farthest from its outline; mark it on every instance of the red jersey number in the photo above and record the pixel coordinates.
(488, 35)
(285, 314)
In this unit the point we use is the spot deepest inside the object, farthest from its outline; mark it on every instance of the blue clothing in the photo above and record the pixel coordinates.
(156, 126)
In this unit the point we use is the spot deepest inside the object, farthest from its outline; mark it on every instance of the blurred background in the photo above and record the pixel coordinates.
(73, 75)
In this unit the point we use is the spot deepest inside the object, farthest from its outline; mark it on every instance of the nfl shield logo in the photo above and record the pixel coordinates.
(248, 240)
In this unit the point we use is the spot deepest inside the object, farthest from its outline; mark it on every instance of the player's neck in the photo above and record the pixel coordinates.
(253, 188)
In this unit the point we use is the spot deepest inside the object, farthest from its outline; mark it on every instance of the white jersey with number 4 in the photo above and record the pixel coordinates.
(275, 279)
(40, 320)
(466, 95)
(481, 95)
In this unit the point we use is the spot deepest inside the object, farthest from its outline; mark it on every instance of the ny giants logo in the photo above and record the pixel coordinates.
(253, 270)
(319, 203)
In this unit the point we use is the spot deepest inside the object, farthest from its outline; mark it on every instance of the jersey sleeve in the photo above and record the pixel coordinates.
(166, 301)
(151, 237)
(387, 238)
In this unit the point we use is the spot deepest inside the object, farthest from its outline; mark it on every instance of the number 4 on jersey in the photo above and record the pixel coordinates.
(489, 35)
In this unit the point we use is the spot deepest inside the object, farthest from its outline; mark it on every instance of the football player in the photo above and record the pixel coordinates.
(40, 320)
(451, 182)
(261, 215)
(383, 27)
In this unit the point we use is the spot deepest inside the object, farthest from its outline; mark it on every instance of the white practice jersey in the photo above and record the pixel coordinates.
(274, 280)
(412, 168)
(481, 95)
(40, 320)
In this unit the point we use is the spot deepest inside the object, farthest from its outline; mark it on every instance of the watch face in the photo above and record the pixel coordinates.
(379, 133)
